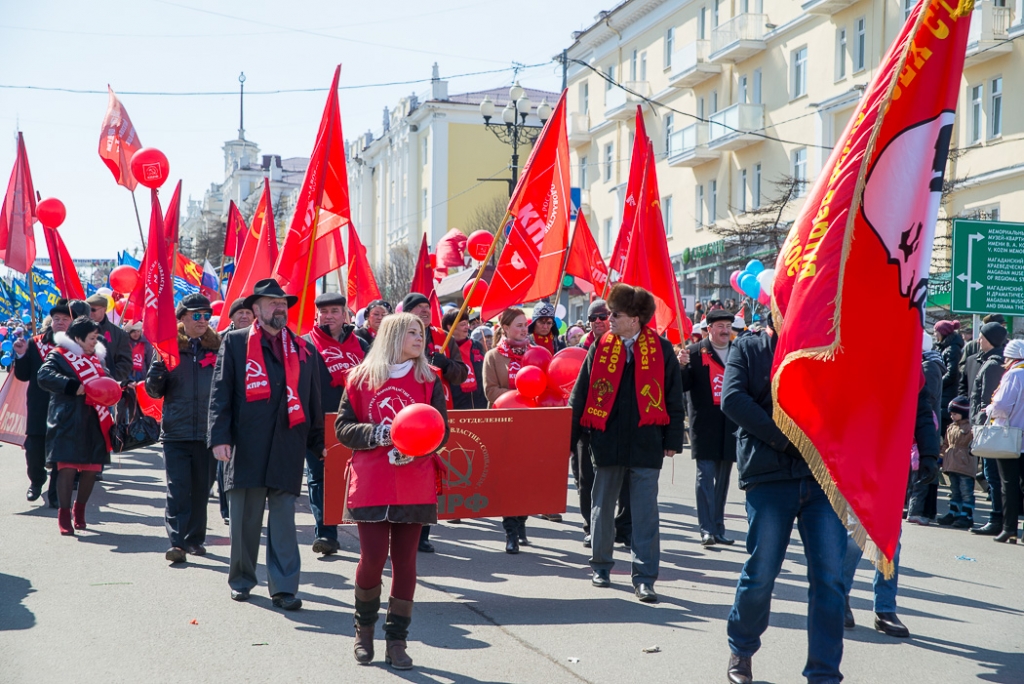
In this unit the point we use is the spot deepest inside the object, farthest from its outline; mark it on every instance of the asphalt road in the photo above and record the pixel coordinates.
(106, 607)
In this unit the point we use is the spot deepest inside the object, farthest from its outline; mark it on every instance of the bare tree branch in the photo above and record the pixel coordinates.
(395, 276)
(763, 228)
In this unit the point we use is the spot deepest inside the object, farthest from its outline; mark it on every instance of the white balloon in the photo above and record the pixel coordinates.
(765, 279)
(560, 312)
(105, 291)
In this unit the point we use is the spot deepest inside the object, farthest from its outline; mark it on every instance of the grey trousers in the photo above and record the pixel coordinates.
(712, 491)
(246, 522)
(643, 500)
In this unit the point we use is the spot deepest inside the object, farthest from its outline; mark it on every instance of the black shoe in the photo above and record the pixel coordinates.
(601, 579)
(963, 523)
(33, 493)
(511, 543)
(891, 625)
(287, 602)
(623, 539)
(1005, 536)
(425, 546)
(707, 540)
(226, 521)
(947, 520)
(239, 594)
(195, 550)
(523, 541)
(325, 546)
(722, 539)
(175, 554)
(990, 529)
(552, 517)
(848, 621)
(739, 670)
(645, 592)
(586, 541)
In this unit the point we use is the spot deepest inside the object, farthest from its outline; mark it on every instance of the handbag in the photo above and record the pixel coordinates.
(138, 431)
(997, 441)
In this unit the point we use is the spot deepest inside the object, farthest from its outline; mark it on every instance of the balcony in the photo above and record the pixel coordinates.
(988, 36)
(732, 128)
(689, 147)
(738, 39)
(579, 129)
(618, 104)
(690, 65)
(826, 7)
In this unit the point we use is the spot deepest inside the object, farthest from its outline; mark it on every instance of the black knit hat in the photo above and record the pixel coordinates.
(237, 305)
(961, 405)
(192, 302)
(330, 299)
(412, 300)
(995, 333)
(61, 307)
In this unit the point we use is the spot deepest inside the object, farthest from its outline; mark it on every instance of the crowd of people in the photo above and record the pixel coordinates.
(245, 410)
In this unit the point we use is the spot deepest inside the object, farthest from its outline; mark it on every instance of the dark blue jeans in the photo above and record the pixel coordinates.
(772, 507)
(315, 485)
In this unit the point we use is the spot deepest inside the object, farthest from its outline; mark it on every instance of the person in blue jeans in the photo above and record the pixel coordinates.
(884, 589)
(780, 490)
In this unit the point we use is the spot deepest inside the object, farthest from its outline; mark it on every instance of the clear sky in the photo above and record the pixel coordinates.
(201, 46)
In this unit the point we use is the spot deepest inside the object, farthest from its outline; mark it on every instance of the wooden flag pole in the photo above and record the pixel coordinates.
(31, 298)
(479, 274)
(138, 220)
(309, 267)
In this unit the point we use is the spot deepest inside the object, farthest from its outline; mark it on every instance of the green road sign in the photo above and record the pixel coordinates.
(988, 267)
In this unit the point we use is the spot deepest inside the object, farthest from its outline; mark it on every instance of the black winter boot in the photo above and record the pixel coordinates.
(951, 515)
(396, 631)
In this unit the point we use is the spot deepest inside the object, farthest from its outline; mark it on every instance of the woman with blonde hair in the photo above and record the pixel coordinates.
(389, 496)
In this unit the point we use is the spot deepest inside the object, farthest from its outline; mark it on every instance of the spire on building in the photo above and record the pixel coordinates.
(241, 106)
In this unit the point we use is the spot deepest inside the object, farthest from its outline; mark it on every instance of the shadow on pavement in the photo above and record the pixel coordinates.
(13, 613)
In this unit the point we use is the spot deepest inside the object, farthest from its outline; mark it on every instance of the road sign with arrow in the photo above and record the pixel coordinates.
(988, 267)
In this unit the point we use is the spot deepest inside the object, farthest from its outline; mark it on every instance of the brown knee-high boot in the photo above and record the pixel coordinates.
(396, 630)
(367, 609)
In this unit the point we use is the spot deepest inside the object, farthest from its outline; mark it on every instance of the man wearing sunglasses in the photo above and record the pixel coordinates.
(597, 317)
(186, 394)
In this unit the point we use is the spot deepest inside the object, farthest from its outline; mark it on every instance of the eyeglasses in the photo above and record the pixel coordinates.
(202, 316)
(598, 317)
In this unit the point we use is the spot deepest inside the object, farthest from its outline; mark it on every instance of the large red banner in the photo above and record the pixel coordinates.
(13, 410)
(486, 471)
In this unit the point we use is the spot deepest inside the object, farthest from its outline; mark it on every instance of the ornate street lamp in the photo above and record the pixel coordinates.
(513, 129)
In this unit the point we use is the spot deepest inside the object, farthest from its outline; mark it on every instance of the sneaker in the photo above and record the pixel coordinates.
(919, 520)
(586, 541)
(175, 554)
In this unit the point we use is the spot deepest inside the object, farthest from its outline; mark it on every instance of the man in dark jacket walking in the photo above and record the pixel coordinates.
(629, 398)
(780, 490)
(712, 434)
(339, 350)
(119, 349)
(990, 371)
(265, 412)
(187, 458)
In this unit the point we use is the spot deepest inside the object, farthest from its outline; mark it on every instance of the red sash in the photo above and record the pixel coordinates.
(435, 342)
(340, 357)
(546, 341)
(606, 376)
(257, 382)
(42, 347)
(515, 359)
(88, 368)
(717, 372)
(139, 356)
(466, 349)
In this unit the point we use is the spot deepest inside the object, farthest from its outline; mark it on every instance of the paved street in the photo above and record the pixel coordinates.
(106, 607)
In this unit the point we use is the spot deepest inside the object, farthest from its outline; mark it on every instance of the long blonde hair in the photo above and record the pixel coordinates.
(386, 352)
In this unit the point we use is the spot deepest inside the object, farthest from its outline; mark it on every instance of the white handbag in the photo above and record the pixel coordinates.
(997, 441)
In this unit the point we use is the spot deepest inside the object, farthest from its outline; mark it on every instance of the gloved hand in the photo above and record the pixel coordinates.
(440, 360)
(928, 470)
(382, 435)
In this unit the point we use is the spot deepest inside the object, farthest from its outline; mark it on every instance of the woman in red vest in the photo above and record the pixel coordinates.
(389, 497)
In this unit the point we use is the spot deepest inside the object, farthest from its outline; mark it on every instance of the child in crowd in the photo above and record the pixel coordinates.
(959, 465)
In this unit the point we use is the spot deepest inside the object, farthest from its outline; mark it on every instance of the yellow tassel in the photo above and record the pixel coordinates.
(964, 8)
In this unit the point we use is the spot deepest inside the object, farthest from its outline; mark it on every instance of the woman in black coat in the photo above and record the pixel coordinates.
(950, 344)
(75, 429)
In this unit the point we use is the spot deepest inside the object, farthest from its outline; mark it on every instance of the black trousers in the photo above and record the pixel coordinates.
(188, 488)
(583, 475)
(1010, 471)
(35, 459)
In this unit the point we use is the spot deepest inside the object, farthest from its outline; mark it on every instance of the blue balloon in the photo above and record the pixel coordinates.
(754, 266)
(749, 285)
(6, 360)
(26, 319)
(6, 346)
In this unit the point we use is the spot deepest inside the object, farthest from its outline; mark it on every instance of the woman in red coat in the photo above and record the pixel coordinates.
(390, 497)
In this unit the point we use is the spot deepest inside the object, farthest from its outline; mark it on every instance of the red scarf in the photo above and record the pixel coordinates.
(139, 356)
(466, 349)
(340, 357)
(606, 376)
(257, 382)
(43, 347)
(515, 359)
(88, 368)
(546, 341)
(717, 372)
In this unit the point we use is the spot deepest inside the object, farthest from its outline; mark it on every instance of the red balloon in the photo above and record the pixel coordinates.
(417, 430)
(537, 356)
(478, 293)
(131, 310)
(124, 278)
(154, 408)
(573, 352)
(119, 307)
(478, 244)
(150, 167)
(217, 307)
(514, 400)
(103, 391)
(562, 374)
(531, 381)
(551, 399)
(51, 212)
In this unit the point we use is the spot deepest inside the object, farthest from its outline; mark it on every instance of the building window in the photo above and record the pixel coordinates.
(608, 235)
(699, 206)
(800, 170)
(841, 54)
(702, 23)
(977, 93)
(995, 111)
(799, 69)
(756, 99)
(908, 7)
(712, 201)
(755, 194)
(611, 77)
(743, 191)
(670, 123)
(632, 66)
(426, 208)
(714, 101)
(860, 47)
(609, 151)
(426, 155)
(583, 173)
(993, 214)
(670, 43)
(666, 207)
(585, 98)
(743, 90)
(643, 66)
(714, 13)
(700, 108)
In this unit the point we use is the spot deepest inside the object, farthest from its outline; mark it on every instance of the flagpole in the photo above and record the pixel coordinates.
(309, 267)
(561, 275)
(138, 220)
(479, 275)
(31, 298)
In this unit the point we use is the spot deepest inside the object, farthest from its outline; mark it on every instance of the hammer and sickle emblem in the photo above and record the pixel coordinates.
(652, 402)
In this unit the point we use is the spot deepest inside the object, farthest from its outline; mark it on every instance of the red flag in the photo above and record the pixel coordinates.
(530, 265)
(65, 275)
(118, 142)
(648, 264)
(435, 310)
(17, 237)
(312, 248)
(862, 244)
(258, 254)
(187, 270)
(234, 238)
(362, 286)
(585, 262)
(451, 249)
(172, 220)
(158, 322)
(423, 275)
(637, 166)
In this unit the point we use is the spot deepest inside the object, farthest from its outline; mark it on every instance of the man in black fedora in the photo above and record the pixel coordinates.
(265, 412)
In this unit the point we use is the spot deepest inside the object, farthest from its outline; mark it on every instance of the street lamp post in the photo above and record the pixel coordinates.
(513, 129)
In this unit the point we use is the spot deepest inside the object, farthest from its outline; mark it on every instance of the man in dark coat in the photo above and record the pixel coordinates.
(928, 420)
(119, 349)
(187, 458)
(265, 412)
(712, 434)
(240, 316)
(633, 428)
(780, 489)
(339, 350)
(950, 343)
(990, 370)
